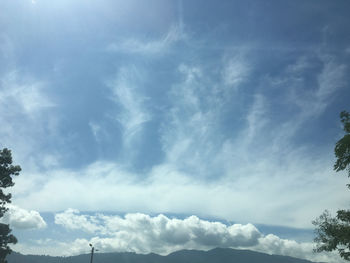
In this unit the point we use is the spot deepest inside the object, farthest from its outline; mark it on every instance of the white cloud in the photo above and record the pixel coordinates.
(20, 218)
(44, 247)
(26, 95)
(256, 117)
(142, 233)
(25, 109)
(107, 186)
(149, 47)
(273, 244)
(251, 173)
(307, 103)
(314, 100)
(235, 71)
(186, 135)
(330, 79)
(266, 177)
(72, 220)
(97, 130)
(133, 114)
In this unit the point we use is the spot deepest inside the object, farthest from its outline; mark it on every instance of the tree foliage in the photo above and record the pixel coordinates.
(342, 147)
(7, 171)
(333, 233)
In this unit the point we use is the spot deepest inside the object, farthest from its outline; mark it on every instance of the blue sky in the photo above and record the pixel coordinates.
(208, 124)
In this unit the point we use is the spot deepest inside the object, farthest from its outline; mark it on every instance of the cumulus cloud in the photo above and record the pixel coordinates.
(142, 233)
(161, 234)
(20, 218)
(273, 244)
(72, 220)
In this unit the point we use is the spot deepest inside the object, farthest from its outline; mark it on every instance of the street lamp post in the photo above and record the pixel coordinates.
(92, 252)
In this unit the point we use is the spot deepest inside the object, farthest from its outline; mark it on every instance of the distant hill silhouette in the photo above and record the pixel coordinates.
(217, 255)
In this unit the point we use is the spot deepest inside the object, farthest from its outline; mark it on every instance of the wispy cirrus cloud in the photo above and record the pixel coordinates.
(323, 75)
(149, 47)
(23, 95)
(229, 110)
(235, 71)
(25, 107)
(126, 93)
(329, 80)
(252, 166)
(131, 113)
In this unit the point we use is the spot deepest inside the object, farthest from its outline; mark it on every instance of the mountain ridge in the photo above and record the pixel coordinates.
(216, 255)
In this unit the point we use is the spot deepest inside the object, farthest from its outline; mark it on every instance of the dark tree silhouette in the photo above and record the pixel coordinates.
(333, 233)
(342, 147)
(7, 170)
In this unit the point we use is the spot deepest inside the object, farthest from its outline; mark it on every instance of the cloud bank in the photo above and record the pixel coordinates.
(160, 234)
